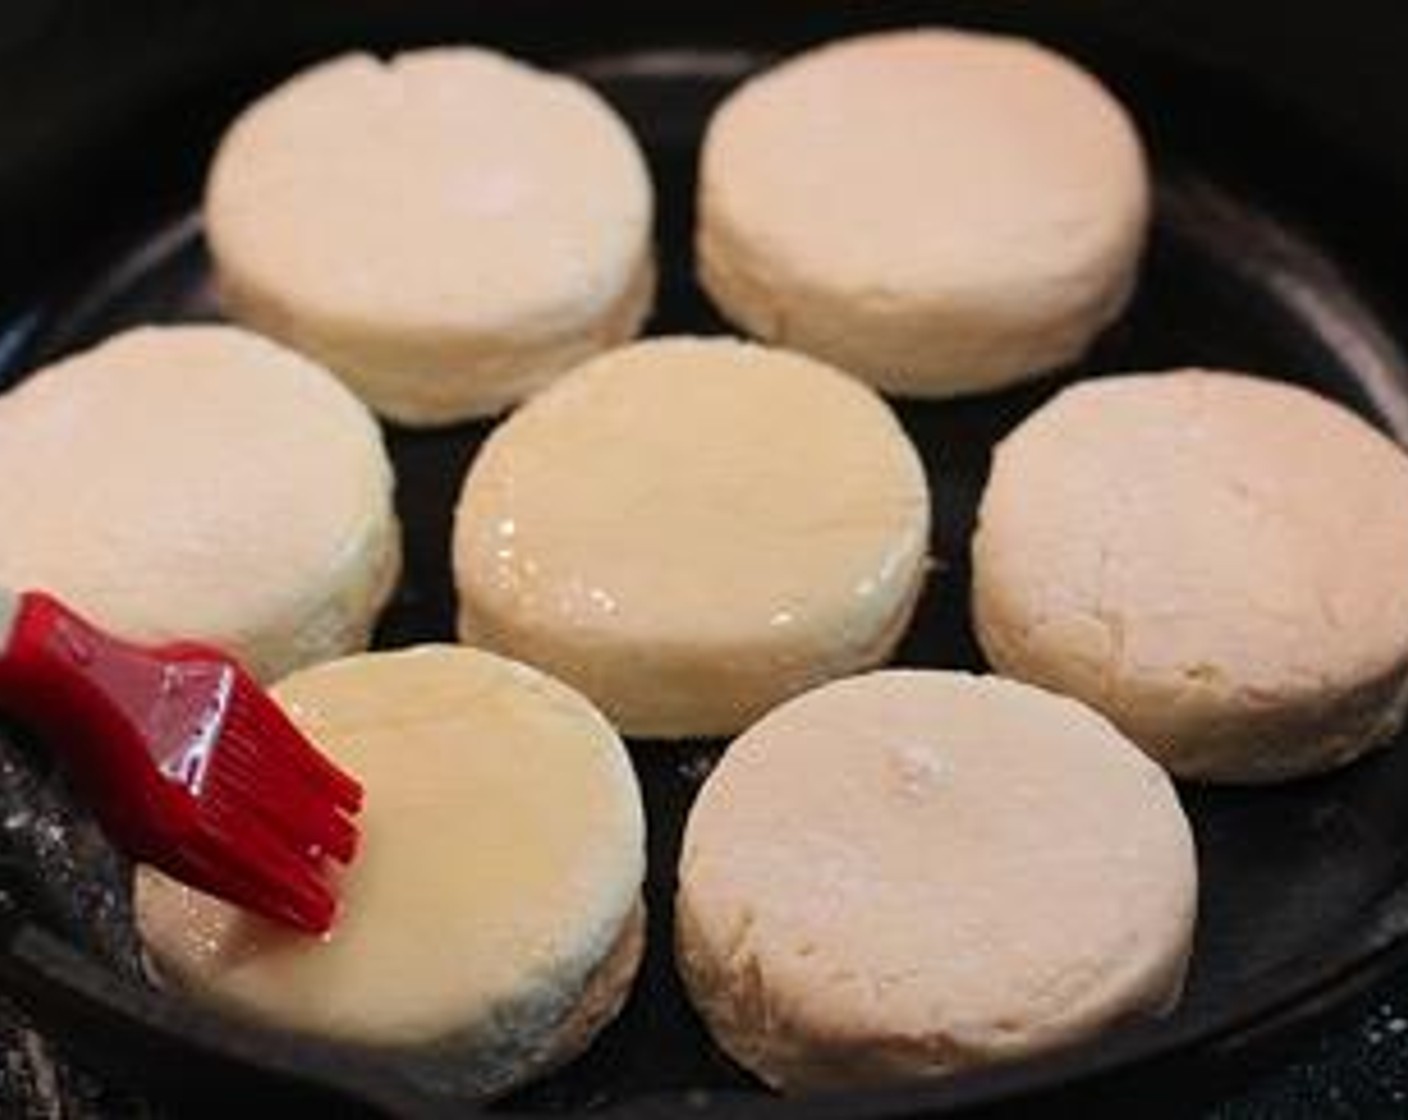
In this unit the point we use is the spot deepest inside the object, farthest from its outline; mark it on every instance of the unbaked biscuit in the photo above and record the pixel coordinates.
(911, 873)
(447, 231)
(201, 482)
(1217, 562)
(491, 923)
(691, 530)
(939, 212)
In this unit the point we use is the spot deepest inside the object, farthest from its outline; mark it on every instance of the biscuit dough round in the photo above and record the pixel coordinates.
(201, 482)
(1217, 562)
(913, 872)
(447, 230)
(938, 212)
(491, 922)
(691, 530)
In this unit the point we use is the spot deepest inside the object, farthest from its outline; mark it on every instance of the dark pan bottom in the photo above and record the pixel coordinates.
(1301, 883)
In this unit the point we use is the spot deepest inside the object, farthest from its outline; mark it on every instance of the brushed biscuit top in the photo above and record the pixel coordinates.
(200, 482)
(936, 211)
(447, 230)
(1217, 562)
(491, 921)
(690, 530)
(909, 873)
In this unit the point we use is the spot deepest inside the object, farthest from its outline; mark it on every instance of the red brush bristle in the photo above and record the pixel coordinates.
(241, 778)
(189, 764)
(246, 863)
(265, 765)
(253, 718)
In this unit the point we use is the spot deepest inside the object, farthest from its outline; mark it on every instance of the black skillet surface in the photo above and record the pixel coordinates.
(1273, 250)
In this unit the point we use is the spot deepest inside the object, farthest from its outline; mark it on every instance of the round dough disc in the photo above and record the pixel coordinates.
(914, 872)
(447, 230)
(491, 920)
(691, 530)
(1214, 561)
(939, 212)
(200, 482)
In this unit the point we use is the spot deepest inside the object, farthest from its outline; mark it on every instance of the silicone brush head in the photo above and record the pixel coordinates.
(187, 762)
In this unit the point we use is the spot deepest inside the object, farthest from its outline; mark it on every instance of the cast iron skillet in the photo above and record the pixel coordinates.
(1276, 248)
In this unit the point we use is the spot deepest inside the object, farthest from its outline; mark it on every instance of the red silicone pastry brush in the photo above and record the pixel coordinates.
(187, 762)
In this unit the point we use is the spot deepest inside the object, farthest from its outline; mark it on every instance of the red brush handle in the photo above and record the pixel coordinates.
(90, 695)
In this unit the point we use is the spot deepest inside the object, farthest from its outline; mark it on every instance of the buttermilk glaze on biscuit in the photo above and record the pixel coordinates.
(491, 923)
(691, 530)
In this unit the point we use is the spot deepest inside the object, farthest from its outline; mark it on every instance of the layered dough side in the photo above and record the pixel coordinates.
(914, 343)
(436, 376)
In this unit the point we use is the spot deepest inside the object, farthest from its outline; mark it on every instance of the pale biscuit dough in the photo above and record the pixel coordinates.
(447, 230)
(938, 212)
(491, 923)
(912, 872)
(200, 482)
(691, 530)
(1219, 563)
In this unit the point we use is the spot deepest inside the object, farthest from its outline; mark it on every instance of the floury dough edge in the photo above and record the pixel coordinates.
(447, 230)
(1215, 561)
(938, 212)
(911, 873)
